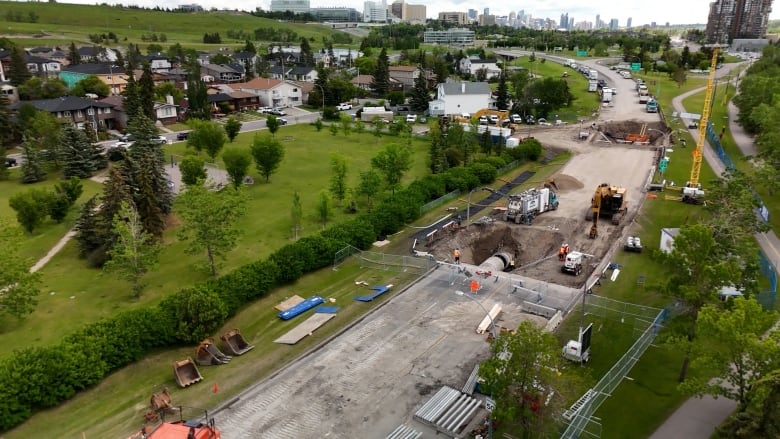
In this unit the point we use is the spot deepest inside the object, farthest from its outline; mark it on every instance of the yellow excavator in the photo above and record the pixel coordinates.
(607, 202)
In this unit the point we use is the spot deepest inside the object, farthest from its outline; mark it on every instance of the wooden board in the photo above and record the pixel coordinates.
(289, 303)
(307, 327)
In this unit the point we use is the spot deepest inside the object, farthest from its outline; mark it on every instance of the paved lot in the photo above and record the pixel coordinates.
(374, 376)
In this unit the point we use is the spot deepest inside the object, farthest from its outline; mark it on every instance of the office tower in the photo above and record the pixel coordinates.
(743, 19)
(628, 23)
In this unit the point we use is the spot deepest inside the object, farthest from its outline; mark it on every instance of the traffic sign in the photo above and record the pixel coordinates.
(635, 66)
(662, 165)
(582, 53)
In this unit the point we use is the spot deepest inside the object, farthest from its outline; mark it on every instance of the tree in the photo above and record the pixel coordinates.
(760, 419)
(73, 56)
(323, 208)
(379, 126)
(192, 169)
(77, 154)
(162, 91)
(393, 162)
(502, 93)
(237, 163)
(64, 197)
(307, 57)
(146, 91)
(197, 93)
(132, 94)
(146, 176)
(17, 67)
(707, 270)
(91, 233)
(296, 214)
(273, 124)
(37, 88)
(522, 376)
(207, 136)
(135, 251)
(20, 286)
(380, 85)
(209, 221)
(338, 179)
(268, 154)
(7, 126)
(370, 183)
(31, 207)
(232, 128)
(43, 133)
(32, 167)
(741, 356)
(346, 124)
(420, 94)
(334, 129)
(91, 84)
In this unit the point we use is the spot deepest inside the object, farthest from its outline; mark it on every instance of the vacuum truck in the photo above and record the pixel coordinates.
(523, 207)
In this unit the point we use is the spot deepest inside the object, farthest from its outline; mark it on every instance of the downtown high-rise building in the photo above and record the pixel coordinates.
(737, 19)
(598, 22)
(628, 23)
(564, 23)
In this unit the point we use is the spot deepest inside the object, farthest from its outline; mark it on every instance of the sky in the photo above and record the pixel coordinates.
(642, 12)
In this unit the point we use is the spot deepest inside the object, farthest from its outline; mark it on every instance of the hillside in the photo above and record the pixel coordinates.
(47, 23)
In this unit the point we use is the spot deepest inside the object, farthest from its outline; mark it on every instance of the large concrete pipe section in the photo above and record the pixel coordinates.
(498, 262)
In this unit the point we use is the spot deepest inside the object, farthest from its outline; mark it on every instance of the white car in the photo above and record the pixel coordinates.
(515, 118)
(344, 106)
(493, 119)
(483, 120)
(411, 118)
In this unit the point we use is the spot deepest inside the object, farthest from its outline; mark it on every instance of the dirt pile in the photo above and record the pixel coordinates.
(564, 182)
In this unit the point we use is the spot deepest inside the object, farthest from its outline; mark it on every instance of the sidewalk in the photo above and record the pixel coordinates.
(697, 418)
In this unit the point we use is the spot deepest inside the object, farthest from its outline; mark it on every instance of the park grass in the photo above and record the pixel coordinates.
(70, 22)
(266, 227)
(115, 407)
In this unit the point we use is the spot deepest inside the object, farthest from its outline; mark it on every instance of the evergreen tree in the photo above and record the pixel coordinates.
(146, 195)
(89, 228)
(502, 93)
(6, 124)
(76, 154)
(32, 166)
(197, 97)
(17, 67)
(73, 55)
(148, 168)
(381, 82)
(132, 97)
(420, 95)
(146, 92)
(307, 57)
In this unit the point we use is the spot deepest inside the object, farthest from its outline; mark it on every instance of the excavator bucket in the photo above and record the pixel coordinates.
(234, 342)
(208, 354)
(186, 372)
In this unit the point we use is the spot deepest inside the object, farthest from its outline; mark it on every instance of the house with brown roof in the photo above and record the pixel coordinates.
(404, 75)
(273, 92)
(363, 81)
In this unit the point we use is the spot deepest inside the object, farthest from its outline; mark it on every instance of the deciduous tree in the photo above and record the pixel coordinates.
(370, 183)
(338, 178)
(273, 124)
(296, 214)
(209, 221)
(393, 162)
(237, 162)
(20, 287)
(232, 128)
(268, 154)
(207, 136)
(31, 207)
(323, 208)
(91, 84)
(192, 169)
(135, 251)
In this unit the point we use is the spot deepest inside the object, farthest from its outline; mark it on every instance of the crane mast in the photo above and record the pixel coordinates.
(693, 181)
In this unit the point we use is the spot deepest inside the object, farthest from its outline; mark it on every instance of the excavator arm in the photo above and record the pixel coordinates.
(595, 210)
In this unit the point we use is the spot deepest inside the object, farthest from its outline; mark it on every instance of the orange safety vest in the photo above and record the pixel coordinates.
(457, 253)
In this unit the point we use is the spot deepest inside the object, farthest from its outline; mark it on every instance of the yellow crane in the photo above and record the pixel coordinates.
(692, 192)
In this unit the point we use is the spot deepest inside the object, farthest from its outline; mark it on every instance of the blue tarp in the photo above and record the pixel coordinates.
(301, 308)
(377, 291)
(327, 309)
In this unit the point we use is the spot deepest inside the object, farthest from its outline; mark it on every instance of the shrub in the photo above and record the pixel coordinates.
(196, 312)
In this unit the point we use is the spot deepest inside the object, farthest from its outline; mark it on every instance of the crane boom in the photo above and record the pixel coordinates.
(693, 182)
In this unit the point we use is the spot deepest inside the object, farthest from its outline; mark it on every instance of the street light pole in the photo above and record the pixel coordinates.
(492, 323)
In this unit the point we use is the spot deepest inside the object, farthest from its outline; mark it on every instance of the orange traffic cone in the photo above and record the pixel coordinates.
(215, 389)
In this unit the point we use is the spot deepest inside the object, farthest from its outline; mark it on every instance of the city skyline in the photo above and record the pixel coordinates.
(659, 11)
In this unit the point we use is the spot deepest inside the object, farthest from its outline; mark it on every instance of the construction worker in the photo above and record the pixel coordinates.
(456, 255)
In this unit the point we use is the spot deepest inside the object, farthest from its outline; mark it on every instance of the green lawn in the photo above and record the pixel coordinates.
(83, 295)
(62, 23)
(115, 407)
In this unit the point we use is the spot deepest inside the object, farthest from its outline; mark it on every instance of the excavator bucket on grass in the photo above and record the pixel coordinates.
(234, 342)
(186, 372)
(208, 354)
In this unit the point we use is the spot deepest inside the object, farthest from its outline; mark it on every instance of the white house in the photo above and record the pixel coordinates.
(159, 63)
(273, 92)
(473, 65)
(456, 98)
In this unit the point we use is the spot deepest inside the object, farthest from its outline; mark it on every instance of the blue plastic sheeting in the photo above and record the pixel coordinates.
(327, 309)
(378, 291)
(301, 308)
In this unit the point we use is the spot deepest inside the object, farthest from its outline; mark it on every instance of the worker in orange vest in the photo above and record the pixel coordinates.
(456, 254)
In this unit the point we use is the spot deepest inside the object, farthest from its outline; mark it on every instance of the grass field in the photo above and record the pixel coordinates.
(61, 23)
(83, 295)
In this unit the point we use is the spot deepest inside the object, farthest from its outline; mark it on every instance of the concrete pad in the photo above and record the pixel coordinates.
(308, 326)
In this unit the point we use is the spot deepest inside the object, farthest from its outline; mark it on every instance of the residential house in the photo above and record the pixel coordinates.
(42, 67)
(77, 111)
(363, 81)
(280, 71)
(303, 73)
(167, 112)
(241, 100)
(89, 54)
(306, 88)
(5, 60)
(120, 116)
(220, 73)
(159, 63)
(473, 65)
(219, 102)
(273, 92)
(456, 98)
(340, 57)
(10, 92)
(111, 75)
(405, 75)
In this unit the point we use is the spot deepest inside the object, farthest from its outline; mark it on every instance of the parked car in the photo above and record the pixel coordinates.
(602, 83)
(282, 121)
(126, 138)
(264, 109)
(183, 135)
(10, 162)
(543, 122)
(483, 120)
(276, 112)
(411, 118)
(344, 106)
(529, 119)
(515, 118)
(493, 119)
(160, 140)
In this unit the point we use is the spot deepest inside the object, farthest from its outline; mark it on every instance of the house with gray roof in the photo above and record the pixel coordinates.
(457, 98)
(76, 111)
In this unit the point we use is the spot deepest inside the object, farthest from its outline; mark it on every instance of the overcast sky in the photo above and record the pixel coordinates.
(641, 11)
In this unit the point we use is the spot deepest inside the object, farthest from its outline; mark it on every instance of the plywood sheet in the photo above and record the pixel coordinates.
(289, 303)
(307, 327)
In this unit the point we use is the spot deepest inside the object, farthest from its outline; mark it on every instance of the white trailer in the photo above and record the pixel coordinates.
(523, 207)
(593, 85)
(593, 74)
(606, 94)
